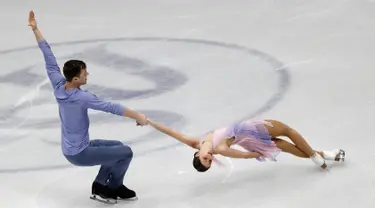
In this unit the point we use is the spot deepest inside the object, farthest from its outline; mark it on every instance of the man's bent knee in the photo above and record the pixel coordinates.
(127, 152)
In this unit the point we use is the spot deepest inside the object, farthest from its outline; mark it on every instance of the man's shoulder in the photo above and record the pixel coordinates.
(85, 94)
(72, 94)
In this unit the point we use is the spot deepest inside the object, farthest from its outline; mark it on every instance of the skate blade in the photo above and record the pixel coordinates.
(102, 200)
(324, 166)
(340, 156)
(129, 199)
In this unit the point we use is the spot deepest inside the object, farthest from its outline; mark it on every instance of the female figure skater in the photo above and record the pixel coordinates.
(259, 138)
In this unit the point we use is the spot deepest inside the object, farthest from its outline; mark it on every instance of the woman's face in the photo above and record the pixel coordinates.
(205, 154)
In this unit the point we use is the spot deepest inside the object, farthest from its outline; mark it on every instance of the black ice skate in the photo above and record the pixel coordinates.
(123, 193)
(103, 194)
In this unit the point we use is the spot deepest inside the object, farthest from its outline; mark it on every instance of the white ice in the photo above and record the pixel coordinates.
(309, 64)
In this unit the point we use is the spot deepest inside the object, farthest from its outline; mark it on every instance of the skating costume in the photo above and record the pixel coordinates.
(251, 135)
(113, 156)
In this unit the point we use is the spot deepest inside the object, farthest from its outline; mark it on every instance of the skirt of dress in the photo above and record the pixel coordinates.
(255, 138)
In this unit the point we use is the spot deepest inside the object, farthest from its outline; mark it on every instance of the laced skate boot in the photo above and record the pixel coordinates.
(123, 193)
(335, 155)
(103, 194)
(318, 160)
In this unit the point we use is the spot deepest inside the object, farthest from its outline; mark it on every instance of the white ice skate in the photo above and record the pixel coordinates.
(340, 156)
(319, 160)
(334, 155)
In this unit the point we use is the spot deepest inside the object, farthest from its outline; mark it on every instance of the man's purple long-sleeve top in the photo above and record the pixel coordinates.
(73, 105)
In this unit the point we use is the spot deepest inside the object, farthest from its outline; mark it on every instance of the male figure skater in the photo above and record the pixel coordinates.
(113, 156)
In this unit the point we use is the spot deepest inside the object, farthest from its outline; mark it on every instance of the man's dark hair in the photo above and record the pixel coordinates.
(198, 165)
(72, 68)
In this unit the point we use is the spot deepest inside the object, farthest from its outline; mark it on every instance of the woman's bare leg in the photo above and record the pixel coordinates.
(291, 148)
(280, 129)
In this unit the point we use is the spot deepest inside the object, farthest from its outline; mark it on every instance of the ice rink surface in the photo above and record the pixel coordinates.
(193, 65)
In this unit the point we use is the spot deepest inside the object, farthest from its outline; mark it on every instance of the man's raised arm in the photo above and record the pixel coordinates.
(53, 70)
